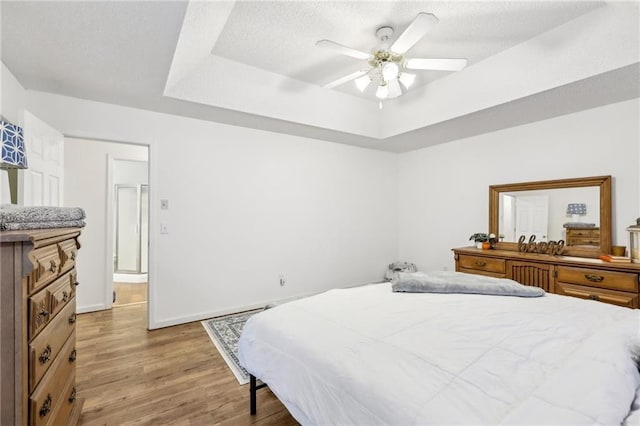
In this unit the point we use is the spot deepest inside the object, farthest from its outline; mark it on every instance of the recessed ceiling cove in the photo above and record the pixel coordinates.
(273, 65)
(264, 58)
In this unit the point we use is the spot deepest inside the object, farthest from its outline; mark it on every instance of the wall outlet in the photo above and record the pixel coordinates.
(282, 280)
(164, 204)
(164, 228)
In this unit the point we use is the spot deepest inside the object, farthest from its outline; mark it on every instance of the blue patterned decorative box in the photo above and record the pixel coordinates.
(13, 153)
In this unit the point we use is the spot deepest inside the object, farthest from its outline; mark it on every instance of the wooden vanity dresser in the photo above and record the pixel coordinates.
(37, 335)
(583, 236)
(578, 272)
(615, 283)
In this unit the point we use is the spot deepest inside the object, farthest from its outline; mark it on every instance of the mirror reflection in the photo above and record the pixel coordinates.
(569, 214)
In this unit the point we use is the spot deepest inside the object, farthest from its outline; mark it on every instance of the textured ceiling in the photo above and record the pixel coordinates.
(254, 64)
(280, 36)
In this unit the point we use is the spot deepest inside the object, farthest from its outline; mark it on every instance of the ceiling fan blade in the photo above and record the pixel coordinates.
(414, 32)
(344, 50)
(394, 88)
(436, 64)
(344, 79)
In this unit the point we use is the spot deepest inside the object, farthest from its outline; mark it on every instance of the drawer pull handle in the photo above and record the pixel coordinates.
(594, 297)
(65, 296)
(481, 263)
(594, 278)
(73, 255)
(72, 397)
(72, 356)
(72, 318)
(46, 406)
(77, 283)
(45, 355)
(43, 313)
(52, 266)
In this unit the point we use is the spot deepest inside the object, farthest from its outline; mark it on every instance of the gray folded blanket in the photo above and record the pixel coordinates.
(18, 226)
(458, 282)
(40, 217)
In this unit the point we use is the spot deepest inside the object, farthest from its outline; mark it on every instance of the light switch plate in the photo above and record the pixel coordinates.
(164, 228)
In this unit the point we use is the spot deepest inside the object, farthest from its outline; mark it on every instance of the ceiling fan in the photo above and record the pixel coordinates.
(387, 65)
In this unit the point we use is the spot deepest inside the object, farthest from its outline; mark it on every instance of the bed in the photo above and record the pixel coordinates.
(367, 355)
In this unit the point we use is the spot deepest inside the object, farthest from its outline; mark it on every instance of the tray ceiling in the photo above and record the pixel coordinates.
(254, 64)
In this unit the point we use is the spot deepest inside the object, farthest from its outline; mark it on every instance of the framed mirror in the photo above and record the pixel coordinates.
(577, 211)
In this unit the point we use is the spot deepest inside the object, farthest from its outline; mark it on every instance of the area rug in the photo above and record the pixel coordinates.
(225, 331)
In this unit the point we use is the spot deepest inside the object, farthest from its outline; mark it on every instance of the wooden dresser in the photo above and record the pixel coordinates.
(37, 335)
(615, 283)
(587, 236)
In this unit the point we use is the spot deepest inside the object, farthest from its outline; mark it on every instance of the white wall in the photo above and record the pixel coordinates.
(443, 190)
(131, 172)
(12, 99)
(85, 185)
(328, 215)
(245, 206)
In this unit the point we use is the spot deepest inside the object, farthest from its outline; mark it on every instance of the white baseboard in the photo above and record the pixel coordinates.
(130, 278)
(91, 308)
(226, 311)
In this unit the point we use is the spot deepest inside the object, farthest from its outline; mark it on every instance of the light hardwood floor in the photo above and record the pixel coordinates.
(127, 293)
(129, 375)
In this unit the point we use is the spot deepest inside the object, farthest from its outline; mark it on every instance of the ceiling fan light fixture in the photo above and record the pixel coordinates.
(387, 62)
(390, 71)
(382, 92)
(407, 79)
(363, 82)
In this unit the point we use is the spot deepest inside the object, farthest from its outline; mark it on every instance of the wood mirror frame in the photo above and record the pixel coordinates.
(602, 182)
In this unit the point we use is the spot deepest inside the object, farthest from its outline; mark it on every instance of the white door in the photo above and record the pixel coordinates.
(42, 183)
(532, 216)
(132, 228)
(127, 229)
(144, 228)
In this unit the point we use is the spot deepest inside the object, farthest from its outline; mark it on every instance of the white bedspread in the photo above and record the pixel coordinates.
(370, 356)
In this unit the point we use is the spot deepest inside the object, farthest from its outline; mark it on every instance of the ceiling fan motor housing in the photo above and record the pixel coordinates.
(380, 57)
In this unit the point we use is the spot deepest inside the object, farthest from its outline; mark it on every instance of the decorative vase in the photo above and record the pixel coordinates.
(486, 245)
(479, 244)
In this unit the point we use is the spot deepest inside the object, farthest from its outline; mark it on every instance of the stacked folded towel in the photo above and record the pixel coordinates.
(579, 225)
(14, 218)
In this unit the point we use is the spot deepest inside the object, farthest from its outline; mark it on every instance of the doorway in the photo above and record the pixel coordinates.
(131, 231)
(92, 169)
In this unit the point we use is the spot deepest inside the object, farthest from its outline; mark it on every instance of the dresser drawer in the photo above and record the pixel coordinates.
(45, 304)
(47, 265)
(68, 253)
(60, 293)
(47, 397)
(588, 233)
(583, 241)
(620, 298)
(480, 263)
(613, 280)
(39, 312)
(66, 403)
(43, 350)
